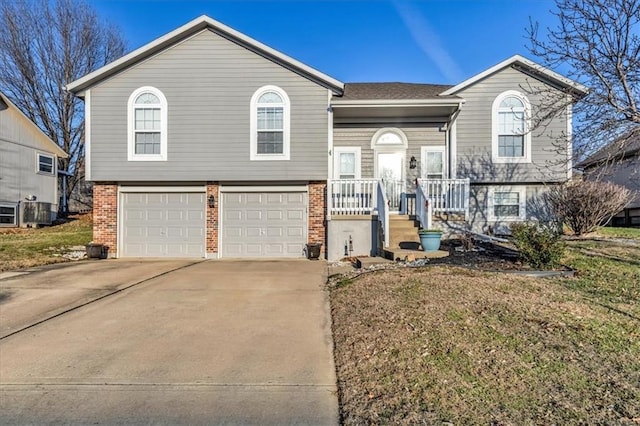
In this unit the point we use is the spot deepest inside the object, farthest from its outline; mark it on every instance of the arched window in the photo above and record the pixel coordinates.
(270, 124)
(147, 125)
(511, 136)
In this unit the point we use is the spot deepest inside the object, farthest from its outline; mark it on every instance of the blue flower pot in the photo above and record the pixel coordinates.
(430, 241)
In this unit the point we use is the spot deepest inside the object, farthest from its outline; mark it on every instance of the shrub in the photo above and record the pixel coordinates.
(585, 205)
(539, 245)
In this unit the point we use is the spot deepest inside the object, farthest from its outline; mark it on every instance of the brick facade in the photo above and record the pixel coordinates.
(317, 214)
(105, 215)
(212, 218)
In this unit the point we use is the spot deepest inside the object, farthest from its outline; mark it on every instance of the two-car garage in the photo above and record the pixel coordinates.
(172, 222)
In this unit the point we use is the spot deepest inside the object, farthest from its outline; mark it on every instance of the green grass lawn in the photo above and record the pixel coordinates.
(21, 248)
(442, 344)
(632, 233)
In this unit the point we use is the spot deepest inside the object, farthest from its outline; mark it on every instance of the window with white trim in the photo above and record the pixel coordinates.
(346, 163)
(45, 164)
(8, 214)
(433, 162)
(147, 125)
(511, 141)
(507, 203)
(270, 124)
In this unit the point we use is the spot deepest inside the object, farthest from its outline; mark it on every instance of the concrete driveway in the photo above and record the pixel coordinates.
(224, 342)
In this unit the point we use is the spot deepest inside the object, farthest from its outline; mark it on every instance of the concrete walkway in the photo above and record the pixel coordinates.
(217, 342)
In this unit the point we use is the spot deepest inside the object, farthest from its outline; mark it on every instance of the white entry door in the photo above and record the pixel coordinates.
(390, 169)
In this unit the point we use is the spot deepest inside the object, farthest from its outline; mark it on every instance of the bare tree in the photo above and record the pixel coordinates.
(43, 46)
(599, 40)
(585, 205)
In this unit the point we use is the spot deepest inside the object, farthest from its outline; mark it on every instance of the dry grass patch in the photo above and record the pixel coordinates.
(448, 344)
(27, 247)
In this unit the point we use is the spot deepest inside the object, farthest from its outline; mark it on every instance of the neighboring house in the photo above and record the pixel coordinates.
(207, 143)
(618, 162)
(28, 168)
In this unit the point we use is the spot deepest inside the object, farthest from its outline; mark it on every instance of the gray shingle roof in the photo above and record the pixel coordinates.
(371, 91)
(623, 147)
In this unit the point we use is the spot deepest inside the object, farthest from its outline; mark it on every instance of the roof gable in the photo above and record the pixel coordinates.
(197, 25)
(52, 147)
(527, 66)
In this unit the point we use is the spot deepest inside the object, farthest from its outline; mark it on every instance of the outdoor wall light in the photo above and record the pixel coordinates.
(412, 162)
(211, 201)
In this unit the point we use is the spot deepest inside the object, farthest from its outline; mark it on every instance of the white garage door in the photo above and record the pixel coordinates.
(159, 224)
(264, 224)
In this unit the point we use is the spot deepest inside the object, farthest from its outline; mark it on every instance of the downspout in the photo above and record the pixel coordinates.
(64, 174)
(330, 154)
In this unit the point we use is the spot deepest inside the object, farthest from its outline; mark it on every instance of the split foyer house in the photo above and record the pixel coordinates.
(28, 169)
(207, 143)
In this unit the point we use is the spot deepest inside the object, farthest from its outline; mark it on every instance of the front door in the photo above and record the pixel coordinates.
(389, 167)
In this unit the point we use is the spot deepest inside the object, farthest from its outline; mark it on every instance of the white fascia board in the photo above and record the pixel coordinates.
(148, 189)
(583, 90)
(396, 103)
(195, 25)
(265, 188)
(87, 136)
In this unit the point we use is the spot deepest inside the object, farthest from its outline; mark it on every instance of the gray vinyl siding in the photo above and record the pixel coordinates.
(20, 142)
(474, 133)
(417, 136)
(208, 82)
(625, 173)
(478, 220)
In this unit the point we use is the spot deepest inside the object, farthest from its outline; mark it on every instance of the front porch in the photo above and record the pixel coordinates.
(377, 201)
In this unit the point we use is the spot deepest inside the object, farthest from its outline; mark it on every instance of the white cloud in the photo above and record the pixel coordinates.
(428, 41)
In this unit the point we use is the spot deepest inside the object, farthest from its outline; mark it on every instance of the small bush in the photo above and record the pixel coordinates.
(539, 245)
(585, 205)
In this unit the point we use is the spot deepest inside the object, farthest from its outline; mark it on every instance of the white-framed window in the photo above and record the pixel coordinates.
(346, 162)
(8, 215)
(433, 164)
(511, 138)
(45, 164)
(389, 138)
(270, 124)
(147, 124)
(507, 203)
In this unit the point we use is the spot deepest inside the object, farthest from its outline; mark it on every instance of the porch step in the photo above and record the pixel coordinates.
(411, 255)
(403, 233)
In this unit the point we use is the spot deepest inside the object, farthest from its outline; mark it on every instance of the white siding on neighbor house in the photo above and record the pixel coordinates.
(474, 134)
(20, 142)
(418, 135)
(208, 82)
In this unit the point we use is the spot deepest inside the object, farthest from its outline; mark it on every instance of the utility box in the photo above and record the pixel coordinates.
(35, 213)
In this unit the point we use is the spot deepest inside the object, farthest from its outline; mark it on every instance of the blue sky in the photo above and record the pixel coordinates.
(427, 41)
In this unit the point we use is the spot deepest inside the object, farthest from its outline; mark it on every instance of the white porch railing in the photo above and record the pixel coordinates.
(352, 196)
(383, 213)
(424, 212)
(393, 190)
(446, 195)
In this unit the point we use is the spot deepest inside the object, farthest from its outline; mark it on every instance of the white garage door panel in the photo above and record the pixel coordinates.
(163, 224)
(267, 224)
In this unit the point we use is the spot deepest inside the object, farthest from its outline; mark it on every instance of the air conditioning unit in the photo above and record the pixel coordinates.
(35, 213)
